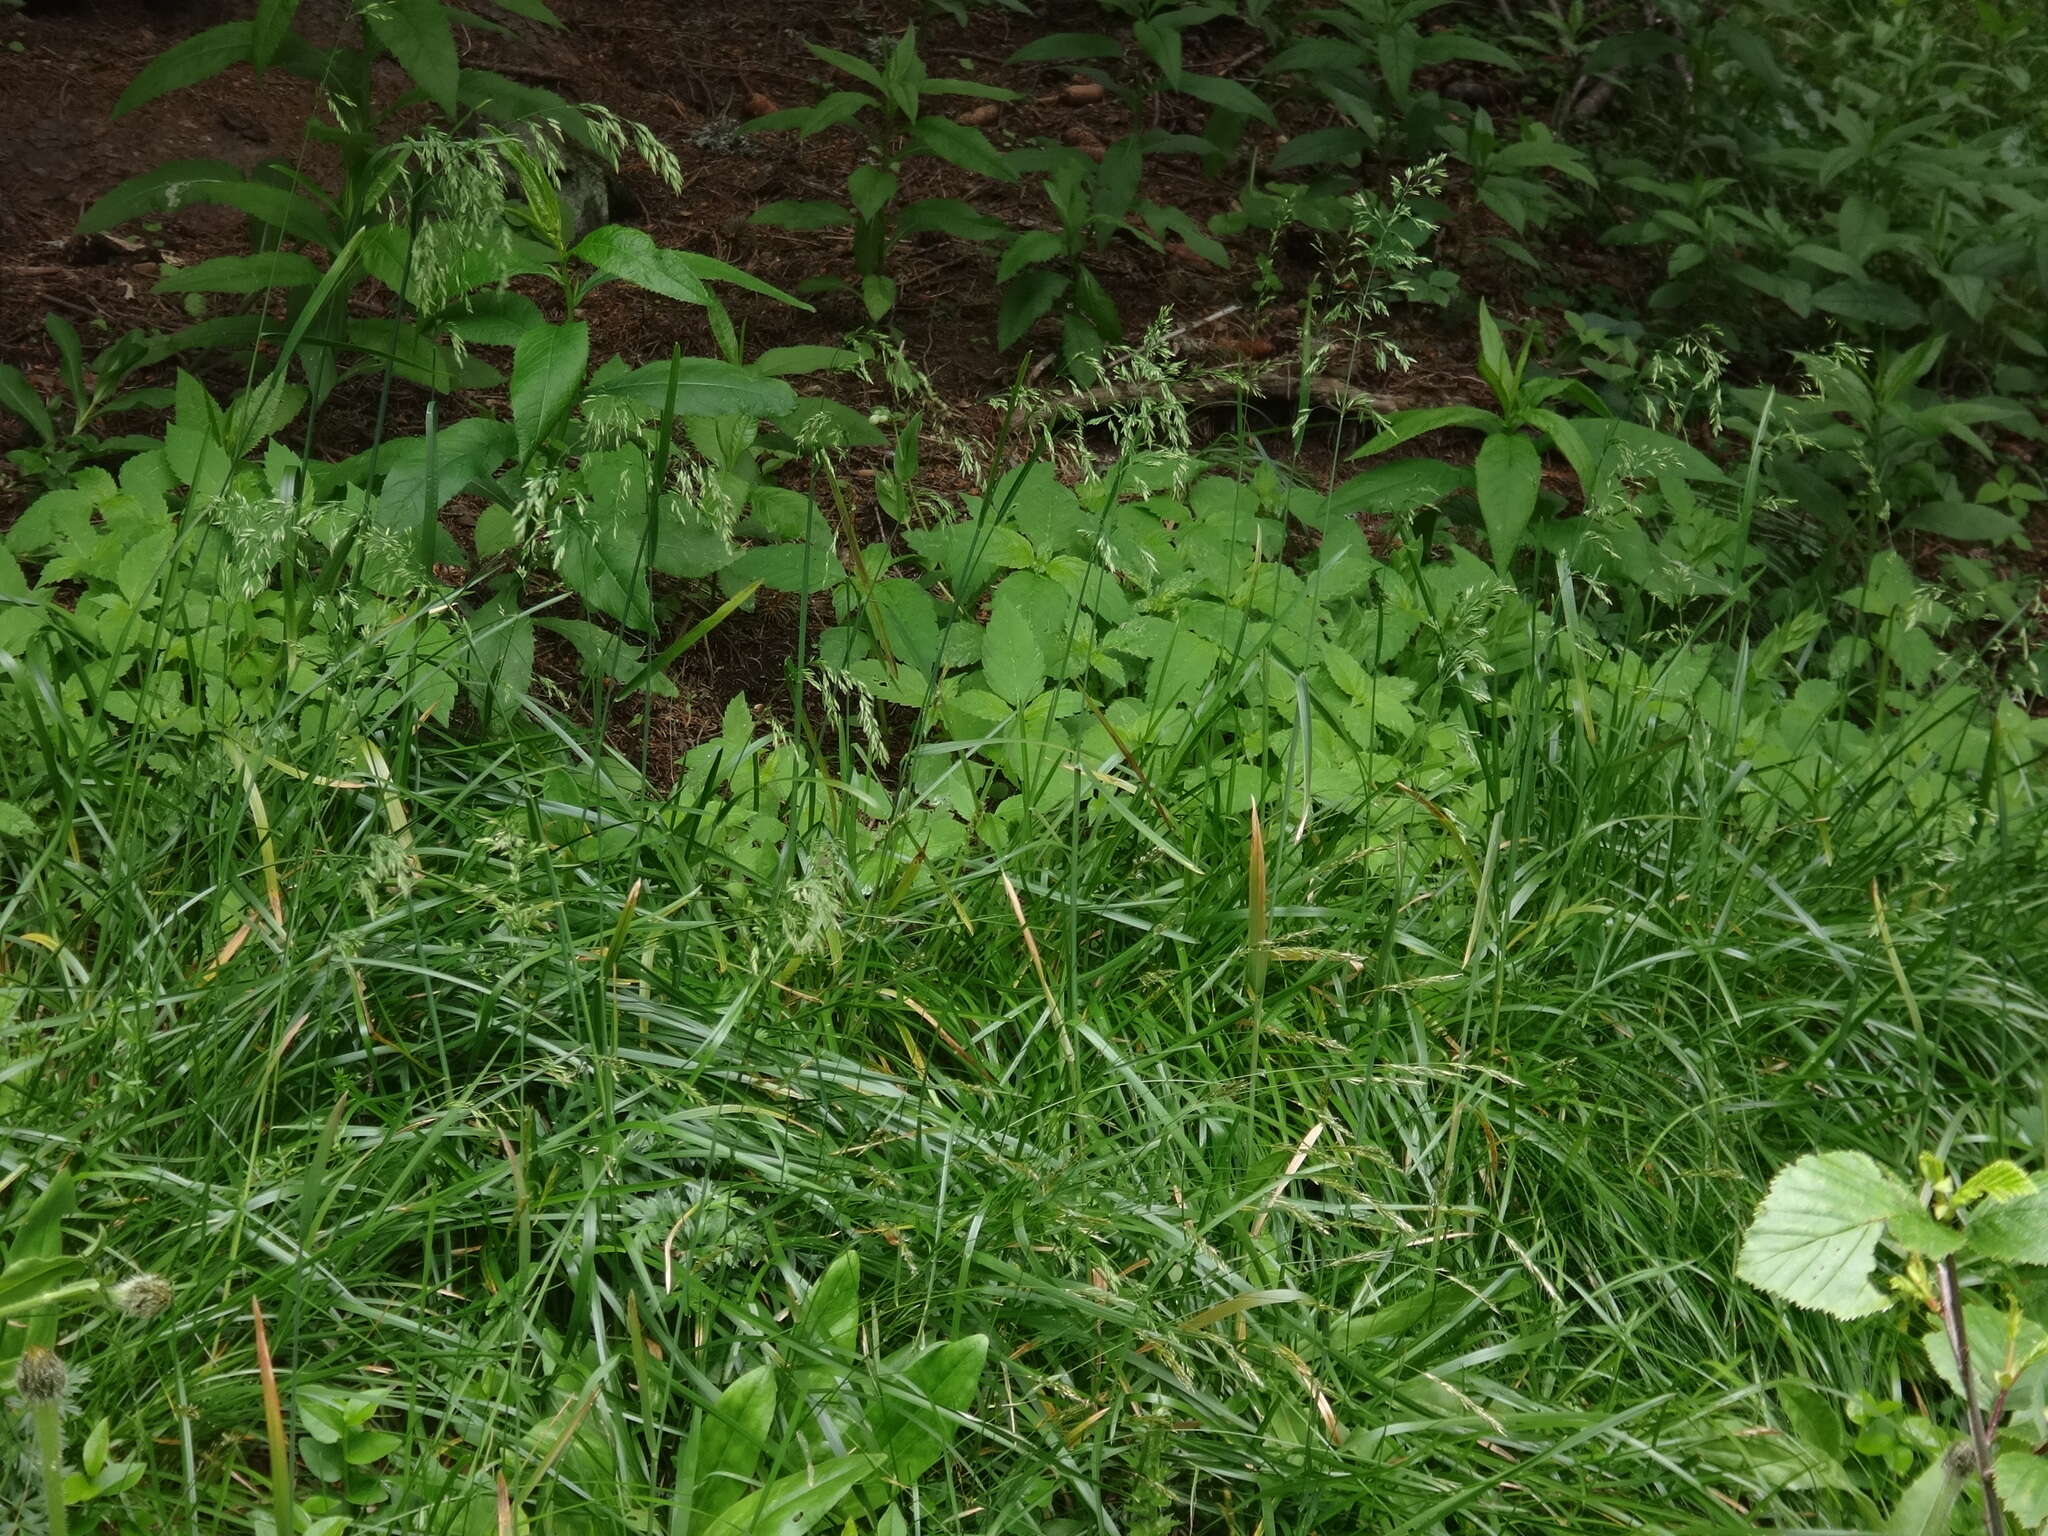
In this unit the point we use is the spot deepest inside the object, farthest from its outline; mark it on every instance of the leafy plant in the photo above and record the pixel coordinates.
(94, 387)
(1814, 1243)
(1047, 271)
(895, 119)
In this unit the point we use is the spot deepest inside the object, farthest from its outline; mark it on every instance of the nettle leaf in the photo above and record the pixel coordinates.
(547, 372)
(2015, 1231)
(1011, 657)
(1508, 473)
(1814, 1238)
(965, 147)
(2006, 1351)
(2022, 1478)
(418, 36)
(195, 59)
(632, 255)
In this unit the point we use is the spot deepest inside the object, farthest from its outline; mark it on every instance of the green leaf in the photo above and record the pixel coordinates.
(273, 21)
(152, 191)
(1026, 301)
(1814, 1237)
(948, 216)
(604, 560)
(242, 274)
(731, 1437)
(1068, 45)
(1997, 1182)
(904, 617)
(14, 821)
(802, 215)
(1028, 250)
(870, 187)
(1927, 1507)
(830, 1315)
(786, 568)
(1226, 94)
(704, 387)
(712, 270)
(1874, 303)
(789, 1506)
(18, 397)
(631, 254)
(197, 58)
(1508, 474)
(501, 655)
(417, 34)
(547, 373)
(1403, 425)
(2022, 1479)
(2005, 1352)
(912, 1422)
(1967, 522)
(2015, 1231)
(965, 147)
(1010, 655)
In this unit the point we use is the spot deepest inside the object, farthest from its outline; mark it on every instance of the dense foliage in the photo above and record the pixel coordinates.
(1253, 974)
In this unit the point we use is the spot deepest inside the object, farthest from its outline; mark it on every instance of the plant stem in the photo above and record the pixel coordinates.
(1980, 1435)
(49, 1426)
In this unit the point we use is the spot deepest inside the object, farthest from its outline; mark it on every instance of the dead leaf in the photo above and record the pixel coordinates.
(1082, 93)
(979, 117)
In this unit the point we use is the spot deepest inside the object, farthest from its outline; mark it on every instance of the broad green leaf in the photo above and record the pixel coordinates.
(830, 1314)
(965, 147)
(1029, 249)
(1508, 473)
(1026, 300)
(547, 373)
(704, 387)
(912, 1422)
(631, 254)
(1403, 425)
(1997, 1182)
(197, 58)
(2004, 1351)
(1814, 1237)
(1010, 655)
(417, 34)
(18, 397)
(242, 274)
(1068, 45)
(801, 215)
(2015, 1231)
(731, 1436)
(501, 656)
(906, 621)
(712, 270)
(948, 216)
(786, 568)
(790, 1505)
(2022, 1479)
(1225, 94)
(605, 561)
(273, 21)
(1966, 521)
(1927, 1507)
(1397, 488)
(1873, 303)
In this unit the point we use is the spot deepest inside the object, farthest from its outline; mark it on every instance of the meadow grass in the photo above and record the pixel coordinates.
(1368, 1171)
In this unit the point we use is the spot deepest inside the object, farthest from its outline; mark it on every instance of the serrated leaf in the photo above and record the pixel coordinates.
(965, 147)
(631, 254)
(417, 34)
(1814, 1237)
(242, 274)
(547, 372)
(1997, 1182)
(1026, 300)
(2022, 1479)
(197, 58)
(2015, 1231)
(2005, 1351)
(1011, 658)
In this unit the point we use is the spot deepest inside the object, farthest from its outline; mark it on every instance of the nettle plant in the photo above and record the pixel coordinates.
(895, 118)
(429, 216)
(1048, 272)
(1964, 1250)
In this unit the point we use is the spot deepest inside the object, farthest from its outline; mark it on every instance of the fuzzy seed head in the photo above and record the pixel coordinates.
(40, 1377)
(142, 1296)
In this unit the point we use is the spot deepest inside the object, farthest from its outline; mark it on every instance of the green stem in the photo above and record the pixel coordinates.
(49, 1427)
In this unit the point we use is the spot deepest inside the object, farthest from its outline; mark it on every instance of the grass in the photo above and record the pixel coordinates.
(507, 1094)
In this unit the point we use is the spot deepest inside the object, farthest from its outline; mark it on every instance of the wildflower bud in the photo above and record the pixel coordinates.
(39, 1376)
(142, 1296)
